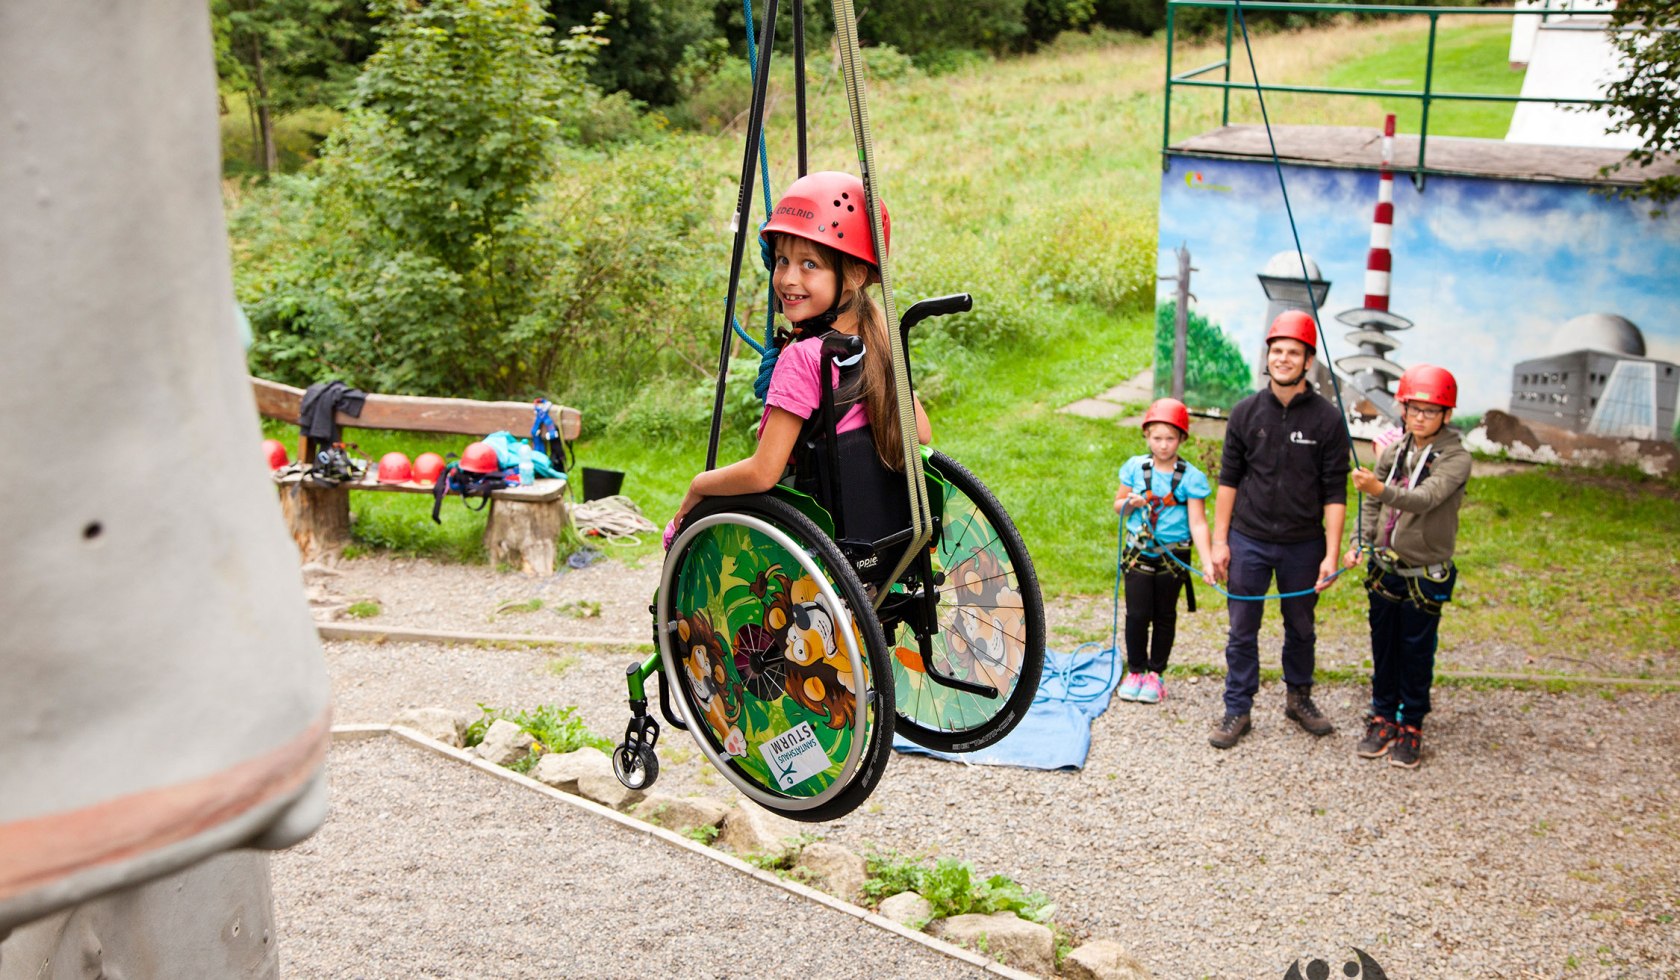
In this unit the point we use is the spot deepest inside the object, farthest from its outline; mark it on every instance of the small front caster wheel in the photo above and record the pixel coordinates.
(635, 765)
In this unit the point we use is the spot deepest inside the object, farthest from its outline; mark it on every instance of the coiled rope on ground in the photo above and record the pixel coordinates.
(616, 519)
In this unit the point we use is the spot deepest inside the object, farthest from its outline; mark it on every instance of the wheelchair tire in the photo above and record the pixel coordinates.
(777, 661)
(991, 625)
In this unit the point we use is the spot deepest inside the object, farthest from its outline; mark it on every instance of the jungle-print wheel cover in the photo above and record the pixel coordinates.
(982, 626)
(766, 683)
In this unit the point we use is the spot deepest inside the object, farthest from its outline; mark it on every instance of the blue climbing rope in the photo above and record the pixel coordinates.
(1300, 255)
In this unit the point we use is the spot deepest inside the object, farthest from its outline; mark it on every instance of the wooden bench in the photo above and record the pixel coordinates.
(524, 521)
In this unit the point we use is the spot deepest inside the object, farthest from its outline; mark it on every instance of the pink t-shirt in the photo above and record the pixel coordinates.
(794, 386)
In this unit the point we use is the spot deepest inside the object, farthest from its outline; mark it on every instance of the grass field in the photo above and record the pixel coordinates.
(1033, 183)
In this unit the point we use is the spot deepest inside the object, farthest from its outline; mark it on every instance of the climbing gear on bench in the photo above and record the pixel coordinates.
(478, 474)
(427, 468)
(275, 453)
(336, 464)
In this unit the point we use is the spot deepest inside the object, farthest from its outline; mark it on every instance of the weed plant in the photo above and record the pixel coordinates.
(950, 887)
(556, 729)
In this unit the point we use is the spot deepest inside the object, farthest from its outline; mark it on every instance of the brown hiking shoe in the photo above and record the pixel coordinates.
(1300, 709)
(1229, 731)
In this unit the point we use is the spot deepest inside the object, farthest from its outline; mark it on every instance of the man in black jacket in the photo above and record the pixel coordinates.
(1280, 508)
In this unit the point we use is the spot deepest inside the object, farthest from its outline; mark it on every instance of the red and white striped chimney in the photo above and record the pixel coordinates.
(1378, 262)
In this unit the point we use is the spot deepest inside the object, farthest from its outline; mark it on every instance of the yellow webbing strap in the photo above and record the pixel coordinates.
(851, 63)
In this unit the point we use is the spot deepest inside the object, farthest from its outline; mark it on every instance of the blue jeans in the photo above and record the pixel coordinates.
(1253, 565)
(1404, 636)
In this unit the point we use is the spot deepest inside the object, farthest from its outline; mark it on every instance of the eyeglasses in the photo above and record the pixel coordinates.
(1424, 411)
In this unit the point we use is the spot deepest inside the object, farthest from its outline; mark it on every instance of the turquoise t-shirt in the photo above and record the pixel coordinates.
(1173, 526)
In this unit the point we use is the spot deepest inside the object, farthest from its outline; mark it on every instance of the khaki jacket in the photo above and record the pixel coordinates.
(1427, 526)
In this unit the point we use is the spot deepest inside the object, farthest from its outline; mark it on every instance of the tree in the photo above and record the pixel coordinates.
(1215, 373)
(1646, 101)
(285, 55)
(649, 42)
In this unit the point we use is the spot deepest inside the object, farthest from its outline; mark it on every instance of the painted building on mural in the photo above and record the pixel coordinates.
(1599, 383)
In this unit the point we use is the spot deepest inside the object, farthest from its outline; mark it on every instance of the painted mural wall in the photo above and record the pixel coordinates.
(1557, 309)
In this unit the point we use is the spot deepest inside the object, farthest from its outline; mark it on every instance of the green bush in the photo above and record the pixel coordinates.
(1214, 370)
(556, 729)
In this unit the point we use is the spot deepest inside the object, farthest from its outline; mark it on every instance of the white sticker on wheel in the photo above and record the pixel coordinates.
(795, 755)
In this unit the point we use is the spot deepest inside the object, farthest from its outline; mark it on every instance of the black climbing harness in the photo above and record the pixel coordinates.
(1152, 557)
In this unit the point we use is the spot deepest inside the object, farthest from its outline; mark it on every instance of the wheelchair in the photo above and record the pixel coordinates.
(791, 652)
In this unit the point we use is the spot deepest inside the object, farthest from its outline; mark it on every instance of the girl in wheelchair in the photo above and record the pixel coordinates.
(823, 265)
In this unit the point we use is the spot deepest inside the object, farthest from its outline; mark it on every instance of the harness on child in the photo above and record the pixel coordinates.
(1153, 557)
(1385, 561)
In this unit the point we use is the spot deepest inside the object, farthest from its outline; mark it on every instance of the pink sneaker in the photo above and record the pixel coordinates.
(1131, 687)
(1152, 691)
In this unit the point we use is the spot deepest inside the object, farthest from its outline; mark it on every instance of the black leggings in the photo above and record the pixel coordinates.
(1151, 597)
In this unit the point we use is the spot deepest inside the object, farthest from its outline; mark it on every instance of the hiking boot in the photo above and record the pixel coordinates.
(1152, 690)
(1229, 731)
(1130, 686)
(1407, 750)
(1299, 708)
(1380, 733)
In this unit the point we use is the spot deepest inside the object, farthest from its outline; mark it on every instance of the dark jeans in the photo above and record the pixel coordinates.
(1404, 636)
(1151, 599)
(1253, 565)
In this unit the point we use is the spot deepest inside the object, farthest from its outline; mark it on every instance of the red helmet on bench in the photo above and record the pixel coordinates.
(427, 467)
(480, 457)
(275, 452)
(395, 468)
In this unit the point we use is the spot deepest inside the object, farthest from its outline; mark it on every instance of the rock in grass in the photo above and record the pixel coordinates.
(681, 814)
(505, 743)
(749, 829)
(832, 868)
(437, 724)
(1005, 937)
(608, 791)
(908, 908)
(562, 770)
(1103, 959)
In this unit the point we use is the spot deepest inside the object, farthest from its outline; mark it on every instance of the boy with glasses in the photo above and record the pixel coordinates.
(1409, 523)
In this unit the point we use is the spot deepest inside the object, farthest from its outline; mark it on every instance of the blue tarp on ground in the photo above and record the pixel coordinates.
(1056, 732)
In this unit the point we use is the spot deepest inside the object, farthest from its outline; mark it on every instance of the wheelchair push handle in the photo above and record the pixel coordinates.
(936, 306)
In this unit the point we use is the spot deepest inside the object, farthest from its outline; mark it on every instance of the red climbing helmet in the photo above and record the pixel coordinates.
(1170, 411)
(1428, 383)
(827, 207)
(1294, 325)
(275, 452)
(480, 457)
(394, 468)
(427, 467)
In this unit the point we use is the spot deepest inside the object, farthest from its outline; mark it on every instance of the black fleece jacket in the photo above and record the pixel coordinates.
(1287, 463)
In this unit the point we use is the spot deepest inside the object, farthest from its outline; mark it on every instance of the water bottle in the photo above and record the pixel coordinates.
(527, 474)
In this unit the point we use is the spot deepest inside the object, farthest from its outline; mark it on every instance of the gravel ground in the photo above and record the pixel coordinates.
(1540, 837)
(453, 873)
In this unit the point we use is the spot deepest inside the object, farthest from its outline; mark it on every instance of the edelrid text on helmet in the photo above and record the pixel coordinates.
(1170, 411)
(1294, 325)
(1428, 384)
(827, 208)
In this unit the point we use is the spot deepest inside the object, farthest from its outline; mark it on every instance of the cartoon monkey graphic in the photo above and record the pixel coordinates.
(718, 698)
(987, 641)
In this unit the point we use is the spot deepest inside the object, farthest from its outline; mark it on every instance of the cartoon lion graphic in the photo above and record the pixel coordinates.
(717, 697)
(818, 673)
(987, 642)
